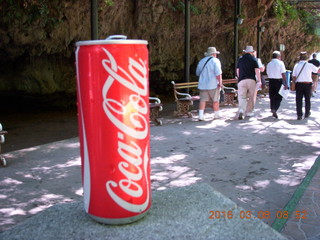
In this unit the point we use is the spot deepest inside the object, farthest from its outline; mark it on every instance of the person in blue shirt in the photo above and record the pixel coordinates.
(210, 81)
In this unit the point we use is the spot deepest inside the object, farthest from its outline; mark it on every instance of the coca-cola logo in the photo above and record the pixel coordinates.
(133, 157)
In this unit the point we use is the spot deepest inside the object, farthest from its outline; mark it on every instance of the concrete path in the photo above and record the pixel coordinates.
(176, 213)
(258, 163)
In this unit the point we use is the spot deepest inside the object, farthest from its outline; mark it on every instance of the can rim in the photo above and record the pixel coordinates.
(103, 42)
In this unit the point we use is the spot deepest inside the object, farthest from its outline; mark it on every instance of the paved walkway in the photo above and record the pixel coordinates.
(308, 226)
(258, 162)
(303, 222)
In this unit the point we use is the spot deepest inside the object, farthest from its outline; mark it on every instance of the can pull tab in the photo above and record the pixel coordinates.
(116, 37)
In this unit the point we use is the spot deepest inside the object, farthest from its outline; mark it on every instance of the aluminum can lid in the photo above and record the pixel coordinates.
(113, 39)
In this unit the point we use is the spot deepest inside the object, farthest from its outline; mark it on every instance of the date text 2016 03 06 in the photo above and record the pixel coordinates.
(260, 215)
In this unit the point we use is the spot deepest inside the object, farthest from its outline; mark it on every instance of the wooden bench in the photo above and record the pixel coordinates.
(185, 100)
(3, 161)
(230, 93)
(155, 107)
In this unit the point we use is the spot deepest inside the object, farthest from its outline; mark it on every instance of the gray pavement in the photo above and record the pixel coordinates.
(178, 213)
(258, 163)
(308, 226)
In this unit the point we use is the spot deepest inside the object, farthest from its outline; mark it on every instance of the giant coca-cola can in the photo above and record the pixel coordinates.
(113, 115)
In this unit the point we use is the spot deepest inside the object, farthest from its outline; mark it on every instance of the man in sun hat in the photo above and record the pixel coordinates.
(302, 77)
(210, 81)
(249, 79)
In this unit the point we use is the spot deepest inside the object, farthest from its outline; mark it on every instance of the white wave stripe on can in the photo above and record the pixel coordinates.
(130, 153)
(86, 173)
(86, 170)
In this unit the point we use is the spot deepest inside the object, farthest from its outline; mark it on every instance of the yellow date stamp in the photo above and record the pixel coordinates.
(260, 214)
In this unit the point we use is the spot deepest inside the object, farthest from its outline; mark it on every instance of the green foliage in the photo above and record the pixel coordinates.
(42, 12)
(309, 21)
(180, 6)
(287, 13)
(108, 2)
(195, 10)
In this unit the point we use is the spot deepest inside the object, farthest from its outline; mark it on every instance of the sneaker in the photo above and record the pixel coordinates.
(201, 119)
(249, 114)
(307, 115)
(240, 116)
(217, 115)
(299, 118)
(274, 114)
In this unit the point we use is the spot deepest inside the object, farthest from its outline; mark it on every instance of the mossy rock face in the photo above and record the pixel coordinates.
(40, 75)
(38, 38)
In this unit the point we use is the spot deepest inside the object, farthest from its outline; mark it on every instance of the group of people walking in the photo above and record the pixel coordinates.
(249, 67)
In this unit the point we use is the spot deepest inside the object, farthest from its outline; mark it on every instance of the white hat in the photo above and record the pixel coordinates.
(210, 51)
(276, 52)
(248, 49)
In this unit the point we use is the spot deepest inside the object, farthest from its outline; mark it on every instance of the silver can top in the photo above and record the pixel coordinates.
(113, 39)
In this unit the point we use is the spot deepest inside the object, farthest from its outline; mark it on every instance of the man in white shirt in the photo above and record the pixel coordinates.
(276, 72)
(302, 77)
(210, 81)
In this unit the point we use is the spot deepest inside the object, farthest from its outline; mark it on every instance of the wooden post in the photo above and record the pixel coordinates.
(187, 42)
(236, 36)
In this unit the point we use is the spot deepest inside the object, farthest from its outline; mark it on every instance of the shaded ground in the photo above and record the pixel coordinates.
(36, 128)
(32, 120)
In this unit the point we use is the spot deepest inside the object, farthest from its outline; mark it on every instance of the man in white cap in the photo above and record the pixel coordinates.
(276, 72)
(210, 81)
(249, 80)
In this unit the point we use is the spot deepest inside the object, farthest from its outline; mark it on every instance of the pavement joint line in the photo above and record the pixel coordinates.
(279, 223)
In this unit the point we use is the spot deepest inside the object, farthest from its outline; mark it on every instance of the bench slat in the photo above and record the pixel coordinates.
(185, 85)
(229, 81)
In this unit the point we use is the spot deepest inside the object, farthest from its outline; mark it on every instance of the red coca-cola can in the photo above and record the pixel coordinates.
(114, 131)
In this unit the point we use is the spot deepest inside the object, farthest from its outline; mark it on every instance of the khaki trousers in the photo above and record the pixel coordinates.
(315, 79)
(247, 94)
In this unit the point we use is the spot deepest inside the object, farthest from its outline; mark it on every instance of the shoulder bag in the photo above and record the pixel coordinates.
(293, 84)
(204, 65)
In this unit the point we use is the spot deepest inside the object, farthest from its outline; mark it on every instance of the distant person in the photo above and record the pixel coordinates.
(301, 76)
(261, 68)
(260, 64)
(276, 72)
(315, 76)
(249, 80)
(210, 81)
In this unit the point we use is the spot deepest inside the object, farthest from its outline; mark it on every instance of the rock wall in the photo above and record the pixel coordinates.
(38, 38)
